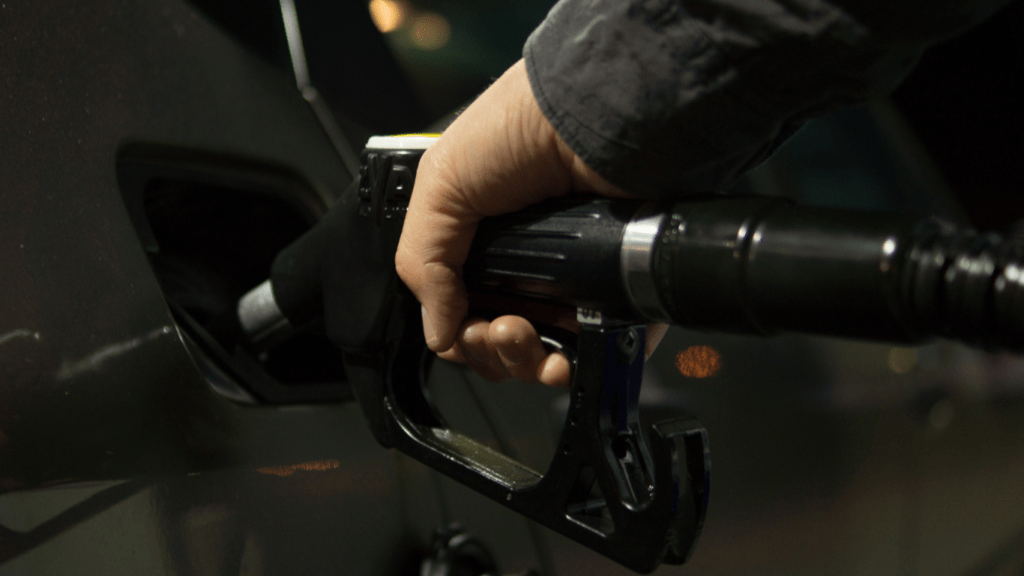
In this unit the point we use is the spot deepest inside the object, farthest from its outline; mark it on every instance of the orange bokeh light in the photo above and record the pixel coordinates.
(388, 15)
(699, 362)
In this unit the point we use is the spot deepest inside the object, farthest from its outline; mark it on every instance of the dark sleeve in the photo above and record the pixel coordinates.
(666, 97)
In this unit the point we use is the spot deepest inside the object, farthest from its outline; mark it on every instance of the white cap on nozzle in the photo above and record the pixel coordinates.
(402, 142)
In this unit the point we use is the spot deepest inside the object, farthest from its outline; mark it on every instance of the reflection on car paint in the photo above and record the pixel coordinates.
(94, 361)
(18, 334)
(314, 466)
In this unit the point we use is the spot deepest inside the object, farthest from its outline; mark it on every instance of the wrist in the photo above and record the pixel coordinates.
(543, 133)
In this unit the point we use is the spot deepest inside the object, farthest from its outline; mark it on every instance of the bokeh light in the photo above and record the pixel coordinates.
(699, 362)
(430, 31)
(388, 15)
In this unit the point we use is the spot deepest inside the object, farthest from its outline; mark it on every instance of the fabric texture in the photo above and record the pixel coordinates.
(670, 97)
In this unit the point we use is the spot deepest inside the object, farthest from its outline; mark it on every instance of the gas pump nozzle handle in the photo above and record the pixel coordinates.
(735, 264)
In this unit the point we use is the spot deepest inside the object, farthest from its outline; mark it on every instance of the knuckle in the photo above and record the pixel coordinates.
(474, 335)
(440, 273)
(511, 330)
(407, 267)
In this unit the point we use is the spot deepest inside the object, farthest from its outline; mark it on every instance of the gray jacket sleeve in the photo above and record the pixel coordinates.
(666, 97)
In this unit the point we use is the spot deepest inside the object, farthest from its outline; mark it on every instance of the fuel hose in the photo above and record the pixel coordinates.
(755, 265)
(747, 265)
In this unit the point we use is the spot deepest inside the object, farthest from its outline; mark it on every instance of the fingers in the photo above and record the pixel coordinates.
(508, 348)
(555, 371)
(478, 351)
(518, 346)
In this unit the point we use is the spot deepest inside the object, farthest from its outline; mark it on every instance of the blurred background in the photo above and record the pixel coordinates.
(829, 456)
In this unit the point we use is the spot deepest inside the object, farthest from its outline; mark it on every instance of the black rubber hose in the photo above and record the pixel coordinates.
(966, 285)
(763, 266)
(756, 266)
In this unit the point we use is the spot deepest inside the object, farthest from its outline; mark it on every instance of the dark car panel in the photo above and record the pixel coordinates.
(99, 391)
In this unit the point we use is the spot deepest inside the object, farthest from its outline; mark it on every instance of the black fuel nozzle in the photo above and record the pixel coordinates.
(734, 264)
(640, 502)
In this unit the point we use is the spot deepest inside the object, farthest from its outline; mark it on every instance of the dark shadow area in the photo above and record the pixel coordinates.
(211, 227)
(963, 101)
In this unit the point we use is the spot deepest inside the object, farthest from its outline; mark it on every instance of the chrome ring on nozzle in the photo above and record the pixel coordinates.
(636, 261)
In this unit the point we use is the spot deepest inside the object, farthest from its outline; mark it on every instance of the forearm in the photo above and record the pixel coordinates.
(662, 98)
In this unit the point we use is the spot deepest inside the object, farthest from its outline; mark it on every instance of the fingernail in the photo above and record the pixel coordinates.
(428, 329)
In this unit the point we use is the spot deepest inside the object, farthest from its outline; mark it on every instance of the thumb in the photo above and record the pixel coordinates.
(442, 295)
(435, 241)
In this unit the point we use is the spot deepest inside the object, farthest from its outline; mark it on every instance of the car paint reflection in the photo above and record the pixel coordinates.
(19, 334)
(94, 362)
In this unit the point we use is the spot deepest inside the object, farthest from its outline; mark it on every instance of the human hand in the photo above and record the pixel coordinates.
(499, 156)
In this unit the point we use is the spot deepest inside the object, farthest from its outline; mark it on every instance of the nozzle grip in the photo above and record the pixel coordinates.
(566, 251)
